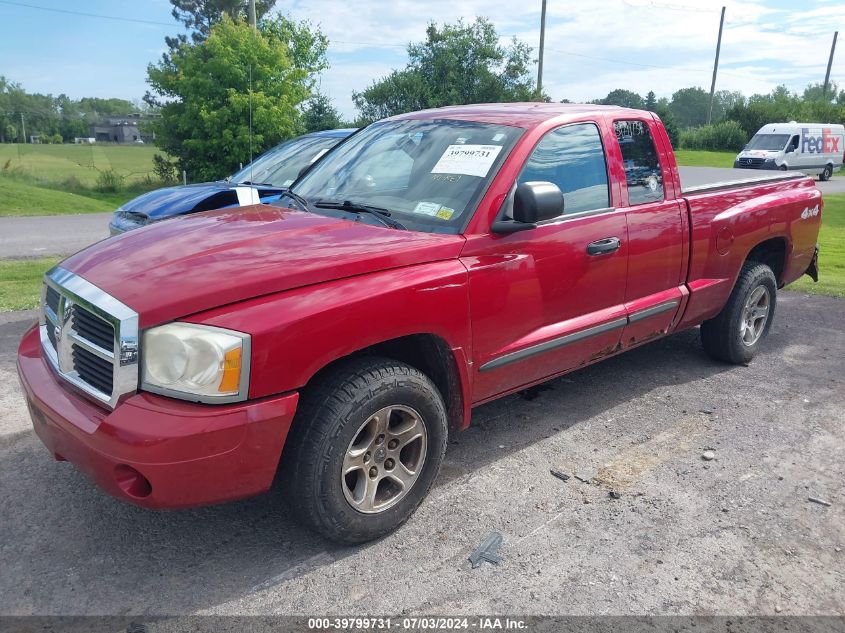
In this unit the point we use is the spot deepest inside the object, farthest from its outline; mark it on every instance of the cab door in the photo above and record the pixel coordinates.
(656, 222)
(551, 298)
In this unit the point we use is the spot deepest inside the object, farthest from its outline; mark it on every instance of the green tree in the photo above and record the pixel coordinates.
(8, 125)
(650, 101)
(212, 90)
(670, 123)
(49, 116)
(320, 114)
(690, 106)
(724, 100)
(815, 92)
(456, 64)
(199, 16)
(624, 98)
(778, 106)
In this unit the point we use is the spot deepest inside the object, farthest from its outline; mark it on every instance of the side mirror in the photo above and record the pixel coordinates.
(790, 149)
(532, 202)
(537, 201)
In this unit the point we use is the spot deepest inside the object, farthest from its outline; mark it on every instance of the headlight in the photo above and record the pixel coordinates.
(196, 362)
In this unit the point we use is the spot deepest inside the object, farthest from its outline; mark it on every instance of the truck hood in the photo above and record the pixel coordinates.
(193, 263)
(172, 201)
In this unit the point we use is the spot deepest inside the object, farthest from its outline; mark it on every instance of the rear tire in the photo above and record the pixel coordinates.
(736, 333)
(367, 444)
(827, 172)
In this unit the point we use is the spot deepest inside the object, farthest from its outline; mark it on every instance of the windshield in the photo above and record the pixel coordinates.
(281, 165)
(768, 142)
(428, 174)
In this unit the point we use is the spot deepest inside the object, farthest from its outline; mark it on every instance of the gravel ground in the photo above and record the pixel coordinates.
(733, 535)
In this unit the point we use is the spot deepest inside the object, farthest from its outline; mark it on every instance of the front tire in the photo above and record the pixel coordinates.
(365, 449)
(736, 333)
(827, 172)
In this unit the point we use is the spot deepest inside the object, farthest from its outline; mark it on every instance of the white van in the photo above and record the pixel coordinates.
(813, 148)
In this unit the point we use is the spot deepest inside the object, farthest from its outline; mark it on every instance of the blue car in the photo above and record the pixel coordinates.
(262, 181)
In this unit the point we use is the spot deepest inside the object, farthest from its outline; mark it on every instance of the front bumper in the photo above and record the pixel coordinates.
(768, 164)
(154, 451)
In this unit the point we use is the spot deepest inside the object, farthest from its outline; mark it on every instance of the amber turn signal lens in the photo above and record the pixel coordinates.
(231, 372)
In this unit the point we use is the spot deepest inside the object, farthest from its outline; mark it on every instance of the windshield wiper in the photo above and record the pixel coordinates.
(302, 202)
(382, 214)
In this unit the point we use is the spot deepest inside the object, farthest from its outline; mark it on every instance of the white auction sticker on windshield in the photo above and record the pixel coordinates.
(468, 160)
(427, 208)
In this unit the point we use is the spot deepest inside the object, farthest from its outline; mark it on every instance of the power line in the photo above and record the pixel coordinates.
(655, 66)
(87, 15)
(398, 45)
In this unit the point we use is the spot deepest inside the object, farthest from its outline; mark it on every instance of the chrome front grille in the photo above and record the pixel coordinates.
(89, 337)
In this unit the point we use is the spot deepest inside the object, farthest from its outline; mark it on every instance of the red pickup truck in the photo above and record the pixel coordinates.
(432, 262)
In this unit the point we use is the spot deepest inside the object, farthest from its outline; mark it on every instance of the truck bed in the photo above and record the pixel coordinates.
(702, 179)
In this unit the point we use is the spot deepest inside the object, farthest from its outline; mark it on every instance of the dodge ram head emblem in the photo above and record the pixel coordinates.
(64, 351)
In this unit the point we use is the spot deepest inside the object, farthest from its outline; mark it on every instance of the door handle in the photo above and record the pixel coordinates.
(601, 247)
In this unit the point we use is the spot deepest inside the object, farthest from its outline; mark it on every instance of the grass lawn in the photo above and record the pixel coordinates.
(84, 162)
(695, 158)
(831, 253)
(20, 282)
(18, 197)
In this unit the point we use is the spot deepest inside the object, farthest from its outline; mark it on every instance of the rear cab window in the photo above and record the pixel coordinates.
(643, 173)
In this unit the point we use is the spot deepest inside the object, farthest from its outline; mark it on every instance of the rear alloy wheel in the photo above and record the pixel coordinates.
(755, 316)
(366, 446)
(827, 172)
(735, 334)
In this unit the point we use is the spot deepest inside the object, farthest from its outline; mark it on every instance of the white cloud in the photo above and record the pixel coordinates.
(594, 47)
(342, 78)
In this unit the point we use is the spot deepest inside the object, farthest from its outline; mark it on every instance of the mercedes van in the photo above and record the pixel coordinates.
(813, 148)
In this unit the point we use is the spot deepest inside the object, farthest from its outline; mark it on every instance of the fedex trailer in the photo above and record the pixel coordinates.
(813, 148)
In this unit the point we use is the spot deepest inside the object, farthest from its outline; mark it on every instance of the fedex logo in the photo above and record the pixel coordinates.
(827, 143)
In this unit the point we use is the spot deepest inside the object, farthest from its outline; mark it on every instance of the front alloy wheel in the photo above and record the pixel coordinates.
(365, 448)
(384, 459)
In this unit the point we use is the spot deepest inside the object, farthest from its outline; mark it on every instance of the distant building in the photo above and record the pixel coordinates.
(120, 130)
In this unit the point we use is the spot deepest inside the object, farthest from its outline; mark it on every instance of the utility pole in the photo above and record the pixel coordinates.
(715, 67)
(829, 63)
(542, 46)
(23, 129)
(252, 21)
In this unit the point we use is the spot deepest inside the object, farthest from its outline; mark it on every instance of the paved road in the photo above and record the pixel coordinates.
(736, 535)
(51, 235)
(66, 234)
(834, 185)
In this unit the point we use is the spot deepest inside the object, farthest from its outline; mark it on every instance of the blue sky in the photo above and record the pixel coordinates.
(591, 47)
